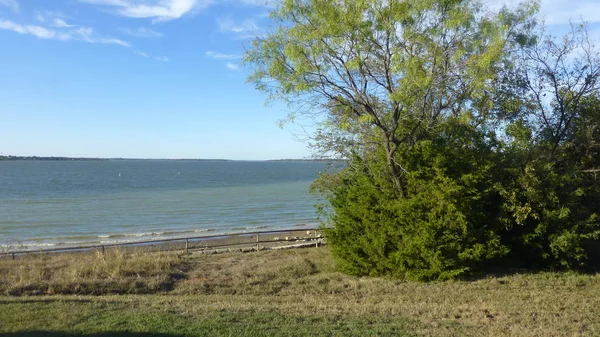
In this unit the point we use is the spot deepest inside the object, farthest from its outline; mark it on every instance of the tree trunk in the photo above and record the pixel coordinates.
(395, 170)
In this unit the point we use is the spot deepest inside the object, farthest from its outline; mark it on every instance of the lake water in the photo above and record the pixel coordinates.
(66, 203)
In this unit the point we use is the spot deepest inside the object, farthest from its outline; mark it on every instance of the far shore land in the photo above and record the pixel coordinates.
(243, 242)
(58, 158)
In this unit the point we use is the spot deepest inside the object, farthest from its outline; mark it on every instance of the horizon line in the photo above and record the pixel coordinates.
(17, 157)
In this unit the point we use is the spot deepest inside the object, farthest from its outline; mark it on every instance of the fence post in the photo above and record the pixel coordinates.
(102, 250)
(187, 246)
(13, 255)
(257, 242)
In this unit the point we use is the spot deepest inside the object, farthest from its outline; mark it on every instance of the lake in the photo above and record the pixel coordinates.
(67, 203)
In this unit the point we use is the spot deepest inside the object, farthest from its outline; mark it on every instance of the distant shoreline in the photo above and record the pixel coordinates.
(46, 158)
(52, 158)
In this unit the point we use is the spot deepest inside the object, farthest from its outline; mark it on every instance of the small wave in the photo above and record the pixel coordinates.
(204, 230)
(260, 227)
(116, 242)
(40, 244)
(146, 234)
(247, 229)
(124, 235)
(175, 233)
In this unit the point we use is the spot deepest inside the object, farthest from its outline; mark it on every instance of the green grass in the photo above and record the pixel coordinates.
(141, 316)
(280, 293)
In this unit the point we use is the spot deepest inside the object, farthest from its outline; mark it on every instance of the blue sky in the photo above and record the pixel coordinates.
(150, 78)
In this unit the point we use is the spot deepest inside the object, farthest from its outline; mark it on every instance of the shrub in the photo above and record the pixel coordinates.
(444, 228)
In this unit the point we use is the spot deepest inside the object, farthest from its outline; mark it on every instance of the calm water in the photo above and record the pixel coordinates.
(63, 203)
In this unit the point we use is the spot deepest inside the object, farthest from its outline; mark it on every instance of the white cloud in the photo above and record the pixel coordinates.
(61, 23)
(220, 56)
(265, 3)
(142, 32)
(53, 18)
(232, 66)
(158, 10)
(147, 56)
(11, 4)
(244, 30)
(84, 34)
(37, 31)
(558, 11)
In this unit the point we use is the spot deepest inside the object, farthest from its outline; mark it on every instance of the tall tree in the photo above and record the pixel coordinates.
(406, 91)
(383, 73)
(551, 195)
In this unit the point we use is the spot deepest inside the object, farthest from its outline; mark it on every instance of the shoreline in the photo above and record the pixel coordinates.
(132, 238)
(241, 241)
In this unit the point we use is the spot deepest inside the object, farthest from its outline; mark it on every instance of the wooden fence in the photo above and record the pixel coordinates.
(247, 240)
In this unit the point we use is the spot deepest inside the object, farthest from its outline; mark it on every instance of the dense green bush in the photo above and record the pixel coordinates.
(551, 196)
(446, 227)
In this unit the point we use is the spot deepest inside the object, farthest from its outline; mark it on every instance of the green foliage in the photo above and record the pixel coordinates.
(472, 138)
(551, 198)
(443, 230)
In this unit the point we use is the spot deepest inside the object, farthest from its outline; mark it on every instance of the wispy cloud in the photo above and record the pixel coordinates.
(84, 34)
(142, 32)
(557, 11)
(158, 10)
(561, 12)
(51, 16)
(233, 66)
(37, 31)
(265, 3)
(63, 31)
(87, 34)
(142, 54)
(61, 23)
(11, 4)
(156, 58)
(220, 56)
(244, 30)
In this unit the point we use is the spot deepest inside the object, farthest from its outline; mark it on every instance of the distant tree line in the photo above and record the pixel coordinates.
(472, 138)
(44, 158)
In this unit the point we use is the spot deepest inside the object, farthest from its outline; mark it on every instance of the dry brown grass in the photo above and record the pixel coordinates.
(269, 272)
(303, 283)
(94, 273)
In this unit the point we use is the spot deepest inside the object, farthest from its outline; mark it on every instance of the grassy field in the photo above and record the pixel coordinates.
(278, 293)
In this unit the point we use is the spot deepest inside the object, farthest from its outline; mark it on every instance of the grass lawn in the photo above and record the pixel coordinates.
(278, 293)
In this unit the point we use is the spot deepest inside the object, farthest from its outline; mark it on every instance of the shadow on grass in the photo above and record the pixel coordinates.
(500, 272)
(33, 300)
(70, 334)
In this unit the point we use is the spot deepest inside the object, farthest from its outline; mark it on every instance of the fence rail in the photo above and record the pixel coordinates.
(315, 236)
